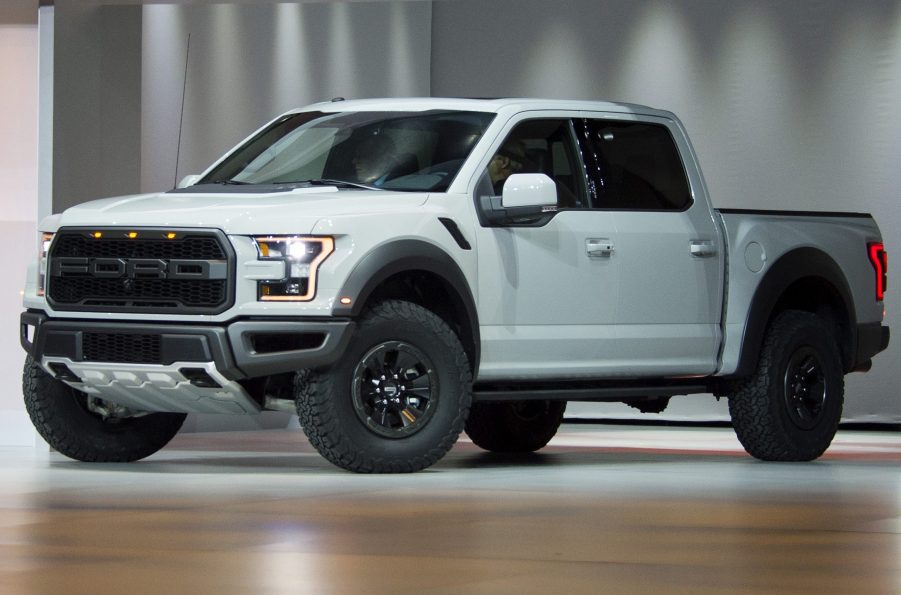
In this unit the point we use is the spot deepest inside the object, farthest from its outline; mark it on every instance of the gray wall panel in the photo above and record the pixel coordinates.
(248, 63)
(97, 99)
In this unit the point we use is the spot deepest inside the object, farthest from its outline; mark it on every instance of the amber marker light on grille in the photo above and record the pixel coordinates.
(170, 236)
(97, 235)
(132, 235)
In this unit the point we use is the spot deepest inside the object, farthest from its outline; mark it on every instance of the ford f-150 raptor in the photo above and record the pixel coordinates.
(398, 271)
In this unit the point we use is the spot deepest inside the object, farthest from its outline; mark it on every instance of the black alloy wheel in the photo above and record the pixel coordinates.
(805, 388)
(395, 389)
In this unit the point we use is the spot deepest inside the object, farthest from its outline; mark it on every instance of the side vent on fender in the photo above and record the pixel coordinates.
(455, 232)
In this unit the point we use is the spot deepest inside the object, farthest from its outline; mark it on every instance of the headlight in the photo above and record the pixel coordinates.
(302, 256)
(43, 250)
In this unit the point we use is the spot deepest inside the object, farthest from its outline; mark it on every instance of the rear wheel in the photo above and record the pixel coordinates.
(789, 410)
(516, 426)
(86, 428)
(396, 401)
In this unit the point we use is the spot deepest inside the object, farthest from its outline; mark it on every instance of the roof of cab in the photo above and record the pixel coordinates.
(479, 105)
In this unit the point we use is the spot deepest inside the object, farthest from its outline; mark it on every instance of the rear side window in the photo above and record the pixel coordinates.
(634, 166)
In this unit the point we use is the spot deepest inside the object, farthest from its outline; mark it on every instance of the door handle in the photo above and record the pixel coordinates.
(702, 248)
(599, 247)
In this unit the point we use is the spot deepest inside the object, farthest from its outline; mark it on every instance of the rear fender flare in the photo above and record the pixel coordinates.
(802, 263)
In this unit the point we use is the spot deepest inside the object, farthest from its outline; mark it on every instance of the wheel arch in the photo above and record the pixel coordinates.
(805, 279)
(420, 272)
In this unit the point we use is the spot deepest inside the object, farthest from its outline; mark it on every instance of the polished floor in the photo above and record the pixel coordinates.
(604, 509)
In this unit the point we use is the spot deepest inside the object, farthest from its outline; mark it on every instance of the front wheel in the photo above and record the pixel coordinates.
(790, 408)
(396, 401)
(86, 428)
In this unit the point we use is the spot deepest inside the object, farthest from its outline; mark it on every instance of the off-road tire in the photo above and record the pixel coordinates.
(790, 408)
(514, 427)
(61, 416)
(344, 425)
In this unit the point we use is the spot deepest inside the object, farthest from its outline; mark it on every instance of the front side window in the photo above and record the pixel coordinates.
(407, 151)
(634, 166)
(540, 146)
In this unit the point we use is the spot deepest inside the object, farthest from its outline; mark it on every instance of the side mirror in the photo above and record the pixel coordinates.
(525, 198)
(529, 190)
(188, 181)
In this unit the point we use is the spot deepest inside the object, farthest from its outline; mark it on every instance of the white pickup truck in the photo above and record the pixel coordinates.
(397, 271)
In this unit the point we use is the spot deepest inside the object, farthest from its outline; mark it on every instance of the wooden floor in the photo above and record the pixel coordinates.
(602, 510)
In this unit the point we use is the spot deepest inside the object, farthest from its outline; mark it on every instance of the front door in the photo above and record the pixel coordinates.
(548, 293)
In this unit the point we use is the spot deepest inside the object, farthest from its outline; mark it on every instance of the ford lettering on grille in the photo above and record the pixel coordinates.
(146, 268)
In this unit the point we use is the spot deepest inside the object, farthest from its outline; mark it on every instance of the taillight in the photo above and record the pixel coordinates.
(879, 260)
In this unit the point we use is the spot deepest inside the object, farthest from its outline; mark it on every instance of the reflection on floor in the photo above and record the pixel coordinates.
(602, 509)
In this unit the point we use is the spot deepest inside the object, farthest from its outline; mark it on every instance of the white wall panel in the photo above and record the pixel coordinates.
(18, 213)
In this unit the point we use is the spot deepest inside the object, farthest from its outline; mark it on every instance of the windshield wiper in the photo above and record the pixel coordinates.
(338, 183)
(231, 182)
(314, 182)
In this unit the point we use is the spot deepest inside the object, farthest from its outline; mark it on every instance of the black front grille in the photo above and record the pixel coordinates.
(93, 270)
(122, 348)
(187, 247)
(152, 292)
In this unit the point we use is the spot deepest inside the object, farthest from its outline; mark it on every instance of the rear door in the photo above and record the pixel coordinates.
(667, 247)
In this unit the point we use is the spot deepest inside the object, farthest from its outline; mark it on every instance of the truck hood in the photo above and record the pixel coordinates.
(295, 211)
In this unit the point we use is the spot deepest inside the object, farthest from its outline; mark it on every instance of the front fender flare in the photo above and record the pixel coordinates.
(401, 256)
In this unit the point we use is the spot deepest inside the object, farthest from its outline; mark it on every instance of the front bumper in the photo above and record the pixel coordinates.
(177, 367)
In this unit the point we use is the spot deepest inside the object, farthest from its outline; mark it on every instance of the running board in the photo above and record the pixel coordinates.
(583, 393)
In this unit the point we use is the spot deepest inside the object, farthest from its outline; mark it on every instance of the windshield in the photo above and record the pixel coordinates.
(408, 151)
